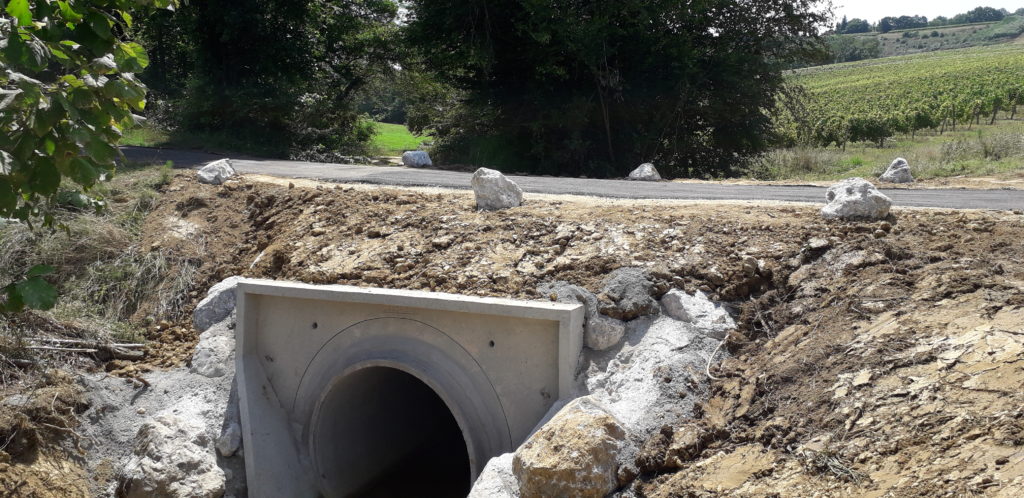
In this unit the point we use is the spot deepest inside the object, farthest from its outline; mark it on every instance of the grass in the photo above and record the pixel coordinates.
(390, 140)
(394, 139)
(988, 150)
(103, 274)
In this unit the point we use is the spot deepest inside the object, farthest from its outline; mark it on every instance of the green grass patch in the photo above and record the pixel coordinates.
(393, 139)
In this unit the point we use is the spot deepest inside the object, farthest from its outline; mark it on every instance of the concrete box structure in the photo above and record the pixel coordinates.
(339, 384)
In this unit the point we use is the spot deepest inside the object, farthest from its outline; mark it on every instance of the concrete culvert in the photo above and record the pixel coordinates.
(383, 432)
(346, 391)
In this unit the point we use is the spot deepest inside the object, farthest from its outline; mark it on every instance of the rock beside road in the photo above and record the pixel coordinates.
(217, 305)
(855, 199)
(898, 172)
(494, 191)
(575, 454)
(646, 172)
(417, 159)
(216, 173)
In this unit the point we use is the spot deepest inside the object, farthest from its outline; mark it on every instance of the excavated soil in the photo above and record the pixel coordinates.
(872, 358)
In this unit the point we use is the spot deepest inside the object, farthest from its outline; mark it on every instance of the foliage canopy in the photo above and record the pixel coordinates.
(68, 88)
(596, 88)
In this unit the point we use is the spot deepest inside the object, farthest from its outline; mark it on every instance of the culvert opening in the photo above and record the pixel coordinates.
(382, 432)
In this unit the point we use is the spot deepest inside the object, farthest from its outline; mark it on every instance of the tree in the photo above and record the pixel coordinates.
(979, 14)
(857, 26)
(68, 92)
(282, 75)
(595, 88)
(885, 25)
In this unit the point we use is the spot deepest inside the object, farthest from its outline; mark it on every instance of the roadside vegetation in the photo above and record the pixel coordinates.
(388, 139)
(996, 150)
(102, 272)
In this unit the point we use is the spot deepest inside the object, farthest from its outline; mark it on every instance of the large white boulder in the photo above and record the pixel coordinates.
(698, 310)
(417, 159)
(646, 172)
(855, 199)
(898, 172)
(217, 172)
(217, 305)
(494, 191)
(173, 458)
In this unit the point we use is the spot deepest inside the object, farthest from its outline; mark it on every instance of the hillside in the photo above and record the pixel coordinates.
(930, 39)
(877, 99)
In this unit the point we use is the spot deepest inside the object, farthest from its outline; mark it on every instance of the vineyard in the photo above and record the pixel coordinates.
(870, 101)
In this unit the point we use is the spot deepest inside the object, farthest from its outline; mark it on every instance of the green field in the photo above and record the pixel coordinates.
(390, 140)
(393, 139)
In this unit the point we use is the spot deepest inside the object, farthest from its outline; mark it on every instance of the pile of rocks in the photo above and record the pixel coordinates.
(640, 356)
(181, 436)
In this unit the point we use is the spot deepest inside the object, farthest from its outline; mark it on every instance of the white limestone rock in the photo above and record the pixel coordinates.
(173, 458)
(494, 191)
(213, 355)
(698, 310)
(898, 172)
(217, 172)
(230, 440)
(417, 159)
(855, 199)
(646, 172)
(496, 480)
(599, 332)
(217, 305)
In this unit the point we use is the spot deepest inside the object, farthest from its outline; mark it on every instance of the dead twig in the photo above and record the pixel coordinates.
(87, 344)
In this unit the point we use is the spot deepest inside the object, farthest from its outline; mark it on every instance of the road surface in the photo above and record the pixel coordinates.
(400, 176)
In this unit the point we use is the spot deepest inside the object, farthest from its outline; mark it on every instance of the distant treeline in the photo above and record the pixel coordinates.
(887, 24)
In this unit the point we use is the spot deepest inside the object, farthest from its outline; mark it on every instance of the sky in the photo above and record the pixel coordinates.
(873, 10)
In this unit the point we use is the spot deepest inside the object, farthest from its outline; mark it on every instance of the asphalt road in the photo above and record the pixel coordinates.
(399, 176)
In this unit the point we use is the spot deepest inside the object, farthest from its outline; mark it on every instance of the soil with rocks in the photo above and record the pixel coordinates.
(871, 358)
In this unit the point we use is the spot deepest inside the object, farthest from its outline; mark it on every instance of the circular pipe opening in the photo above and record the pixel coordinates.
(383, 432)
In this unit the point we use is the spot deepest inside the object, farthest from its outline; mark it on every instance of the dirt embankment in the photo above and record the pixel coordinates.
(871, 356)
(874, 357)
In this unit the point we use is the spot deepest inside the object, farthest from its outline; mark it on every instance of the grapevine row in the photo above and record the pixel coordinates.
(875, 100)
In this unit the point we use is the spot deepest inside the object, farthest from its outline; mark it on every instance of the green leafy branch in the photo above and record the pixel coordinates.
(68, 90)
